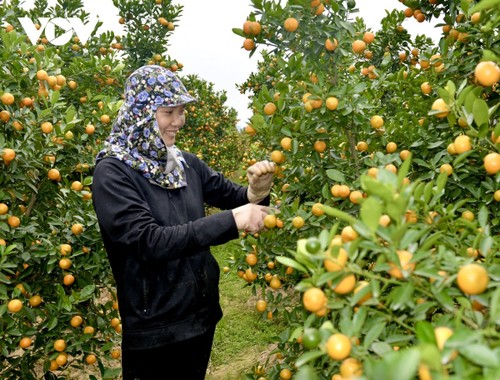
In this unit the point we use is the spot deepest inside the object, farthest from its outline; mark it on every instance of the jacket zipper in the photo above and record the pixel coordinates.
(145, 291)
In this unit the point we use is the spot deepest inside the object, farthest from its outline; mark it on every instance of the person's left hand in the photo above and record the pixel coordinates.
(260, 177)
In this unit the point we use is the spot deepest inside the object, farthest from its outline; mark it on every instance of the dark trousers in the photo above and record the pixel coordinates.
(183, 360)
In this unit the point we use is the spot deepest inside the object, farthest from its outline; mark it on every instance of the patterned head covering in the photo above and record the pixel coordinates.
(135, 138)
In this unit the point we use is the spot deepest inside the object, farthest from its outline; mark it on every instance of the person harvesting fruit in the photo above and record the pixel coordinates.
(149, 198)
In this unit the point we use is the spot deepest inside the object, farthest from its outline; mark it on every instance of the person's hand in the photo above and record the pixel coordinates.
(250, 217)
(260, 177)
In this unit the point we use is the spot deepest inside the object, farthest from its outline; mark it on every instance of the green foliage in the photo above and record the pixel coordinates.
(77, 88)
(427, 211)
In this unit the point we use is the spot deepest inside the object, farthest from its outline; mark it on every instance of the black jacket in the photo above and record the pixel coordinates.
(158, 244)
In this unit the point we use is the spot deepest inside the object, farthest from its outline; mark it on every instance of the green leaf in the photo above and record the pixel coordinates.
(335, 175)
(485, 4)
(370, 213)
(339, 214)
(425, 332)
(291, 263)
(308, 356)
(480, 111)
(480, 354)
(373, 333)
(401, 296)
(441, 182)
(495, 308)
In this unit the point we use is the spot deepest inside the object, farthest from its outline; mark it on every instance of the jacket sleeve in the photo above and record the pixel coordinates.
(220, 192)
(127, 222)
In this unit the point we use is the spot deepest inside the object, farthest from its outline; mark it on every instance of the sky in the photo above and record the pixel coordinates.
(204, 43)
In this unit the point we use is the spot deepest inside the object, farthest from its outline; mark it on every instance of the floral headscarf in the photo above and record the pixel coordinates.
(135, 138)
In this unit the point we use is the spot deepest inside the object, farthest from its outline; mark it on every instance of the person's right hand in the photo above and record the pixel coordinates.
(250, 217)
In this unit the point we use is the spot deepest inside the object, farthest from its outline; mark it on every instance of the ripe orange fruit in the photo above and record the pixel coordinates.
(367, 296)
(8, 155)
(248, 44)
(41, 75)
(376, 121)
(391, 168)
(252, 28)
(286, 143)
(76, 321)
(61, 359)
(404, 154)
(35, 300)
(442, 333)
(270, 109)
(275, 282)
(384, 220)
(338, 346)
(351, 368)
(314, 299)
(496, 196)
(115, 354)
(492, 163)
(105, 119)
(285, 374)
(468, 215)
(446, 168)
(343, 191)
(14, 305)
(25, 342)
(53, 174)
(261, 306)
(462, 144)
(391, 147)
(68, 279)
(90, 359)
(404, 263)
(332, 103)
(291, 24)
(355, 196)
(348, 234)
(487, 73)
(270, 221)
(89, 330)
(13, 221)
(317, 210)
(362, 146)
(47, 127)
(331, 44)
(441, 106)
(335, 264)
(65, 263)
(472, 279)
(65, 249)
(4, 116)
(60, 345)
(7, 98)
(346, 285)
(89, 129)
(298, 222)
(76, 186)
(373, 172)
(358, 46)
(250, 130)
(319, 146)
(277, 157)
(426, 88)
(251, 259)
(368, 37)
(77, 228)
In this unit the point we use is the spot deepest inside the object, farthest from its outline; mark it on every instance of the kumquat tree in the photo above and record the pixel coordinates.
(58, 311)
(382, 253)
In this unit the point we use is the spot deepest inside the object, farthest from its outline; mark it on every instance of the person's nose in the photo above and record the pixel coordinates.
(178, 121)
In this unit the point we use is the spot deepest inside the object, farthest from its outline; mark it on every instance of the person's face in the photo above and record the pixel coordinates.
(170, 120)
